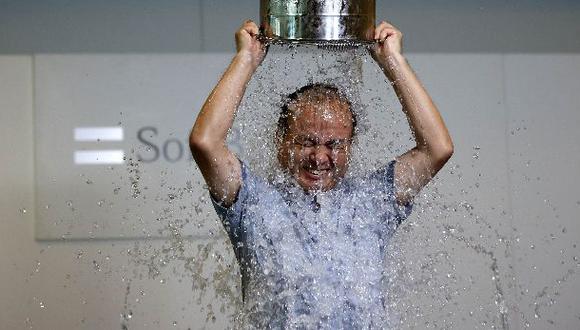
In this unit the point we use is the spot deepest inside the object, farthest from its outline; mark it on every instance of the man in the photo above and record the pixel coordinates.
(311, 246)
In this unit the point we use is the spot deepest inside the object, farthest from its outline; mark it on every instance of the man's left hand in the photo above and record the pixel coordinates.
(388, 46)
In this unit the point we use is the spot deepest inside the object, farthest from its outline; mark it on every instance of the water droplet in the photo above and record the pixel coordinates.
(22, 210)
(174, 323)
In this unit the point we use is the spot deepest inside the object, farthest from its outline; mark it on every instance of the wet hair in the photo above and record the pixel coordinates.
(319, 89)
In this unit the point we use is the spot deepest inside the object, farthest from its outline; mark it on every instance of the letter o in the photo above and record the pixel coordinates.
(166, 150)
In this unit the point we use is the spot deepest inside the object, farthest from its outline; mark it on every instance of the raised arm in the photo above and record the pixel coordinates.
(219, 166)
(415, 168)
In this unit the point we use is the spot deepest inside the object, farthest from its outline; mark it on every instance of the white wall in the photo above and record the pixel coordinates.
(79, 284)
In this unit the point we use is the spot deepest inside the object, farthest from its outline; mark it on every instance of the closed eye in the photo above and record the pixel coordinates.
(337, 144)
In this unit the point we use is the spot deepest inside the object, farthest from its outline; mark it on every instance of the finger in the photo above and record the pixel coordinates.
(383, 35)
(248, 27)
(382, 27)
(251, 27)
(386, 33)
(388, 24)
(379, 28)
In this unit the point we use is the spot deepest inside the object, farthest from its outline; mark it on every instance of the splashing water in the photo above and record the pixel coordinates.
(420, 281)
(428, 268)
(420, 258)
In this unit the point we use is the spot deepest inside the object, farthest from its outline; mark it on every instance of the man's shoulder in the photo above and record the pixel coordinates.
(254, 182)
(379, 178)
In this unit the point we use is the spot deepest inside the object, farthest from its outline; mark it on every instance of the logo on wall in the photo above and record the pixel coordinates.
(170, 150)
(98, 134)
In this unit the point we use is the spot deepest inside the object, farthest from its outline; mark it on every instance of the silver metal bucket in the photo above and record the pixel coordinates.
(318, 21)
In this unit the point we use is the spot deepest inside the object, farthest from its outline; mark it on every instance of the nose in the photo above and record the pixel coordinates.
(320, 155)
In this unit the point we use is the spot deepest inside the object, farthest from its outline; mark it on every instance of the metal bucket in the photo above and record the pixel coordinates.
(318, 21)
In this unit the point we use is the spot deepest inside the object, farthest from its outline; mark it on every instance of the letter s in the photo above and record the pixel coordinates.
(153, 147)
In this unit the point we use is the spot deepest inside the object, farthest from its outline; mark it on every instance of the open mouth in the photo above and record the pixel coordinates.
(316, 173)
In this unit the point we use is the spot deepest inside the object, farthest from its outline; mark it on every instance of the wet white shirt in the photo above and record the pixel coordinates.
(314, 261)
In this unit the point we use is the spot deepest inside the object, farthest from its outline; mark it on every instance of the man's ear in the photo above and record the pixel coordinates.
(278, 138)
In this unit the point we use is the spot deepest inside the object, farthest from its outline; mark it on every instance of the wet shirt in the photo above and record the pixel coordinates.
(313, 261)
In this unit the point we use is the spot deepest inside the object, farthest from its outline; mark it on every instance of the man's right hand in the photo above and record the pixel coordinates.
(221, 169)
(248, 45)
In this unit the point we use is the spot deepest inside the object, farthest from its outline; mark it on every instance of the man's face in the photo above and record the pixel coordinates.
(316, 147)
